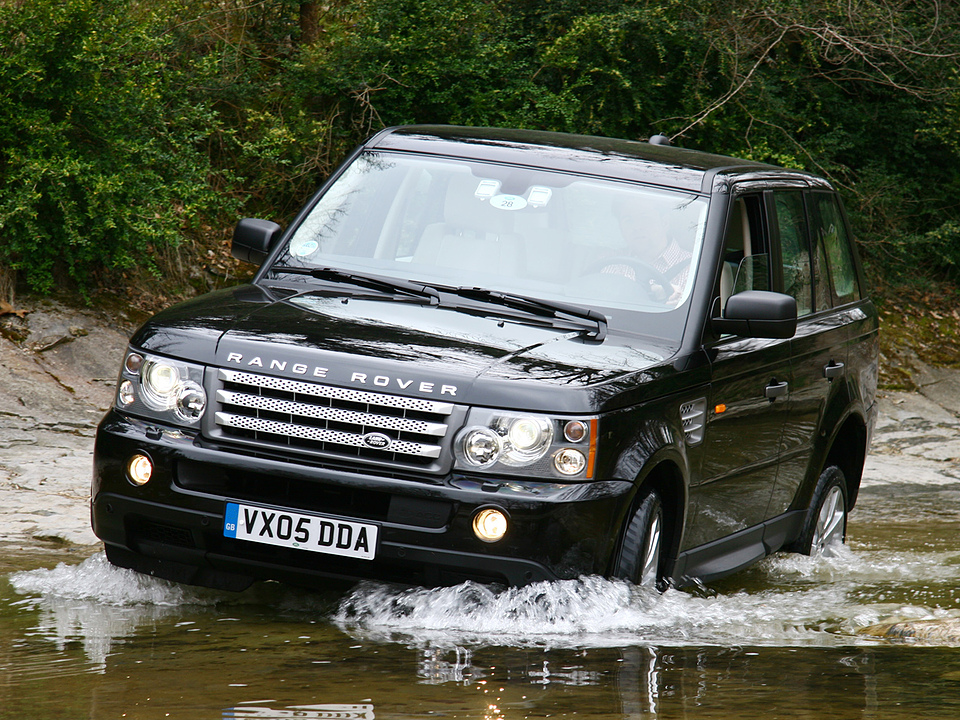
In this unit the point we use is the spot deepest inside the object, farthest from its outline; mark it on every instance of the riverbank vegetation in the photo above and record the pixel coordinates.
(133, 133)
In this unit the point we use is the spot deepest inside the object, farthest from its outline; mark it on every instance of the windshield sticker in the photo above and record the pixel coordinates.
(487, 189)
(539, 196)
(508, 202)
(304, 248)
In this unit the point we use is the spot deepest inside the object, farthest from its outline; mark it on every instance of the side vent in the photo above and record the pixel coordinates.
(692, 417)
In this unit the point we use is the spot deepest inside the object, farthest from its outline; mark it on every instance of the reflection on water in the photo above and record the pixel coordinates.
(97, 603)
(787, 601)
(311, 712)
(780, 640)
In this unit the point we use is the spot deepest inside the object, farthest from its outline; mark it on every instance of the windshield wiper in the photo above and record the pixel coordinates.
(373, 282)
(539, 307)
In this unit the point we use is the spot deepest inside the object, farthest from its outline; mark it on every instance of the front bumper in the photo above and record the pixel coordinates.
(172, 527)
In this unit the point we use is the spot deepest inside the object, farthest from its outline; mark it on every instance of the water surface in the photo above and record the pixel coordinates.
(782, 640)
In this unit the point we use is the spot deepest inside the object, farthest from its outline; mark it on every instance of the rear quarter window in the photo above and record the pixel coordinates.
(832, 232)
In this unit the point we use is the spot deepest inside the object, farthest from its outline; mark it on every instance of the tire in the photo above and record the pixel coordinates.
(825, 526)
(640, 559)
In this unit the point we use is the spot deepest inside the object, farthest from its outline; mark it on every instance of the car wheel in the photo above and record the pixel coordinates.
(641, 552)
(825, 526)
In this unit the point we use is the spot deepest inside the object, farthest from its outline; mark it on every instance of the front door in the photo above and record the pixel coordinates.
(749, 399)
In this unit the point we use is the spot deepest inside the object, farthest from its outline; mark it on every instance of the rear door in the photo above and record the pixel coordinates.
(819, 348)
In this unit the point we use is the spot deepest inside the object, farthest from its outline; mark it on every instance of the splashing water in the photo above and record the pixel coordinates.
(96, 579)
(785, 600)
(814, 601)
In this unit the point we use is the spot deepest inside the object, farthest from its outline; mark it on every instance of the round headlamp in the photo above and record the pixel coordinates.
(125, 393)
(527, 438)
(569, 461)
(480, 446)
(160, 382)
(191, 401)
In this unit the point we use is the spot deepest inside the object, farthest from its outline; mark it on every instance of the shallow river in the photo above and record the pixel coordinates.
(782, 640)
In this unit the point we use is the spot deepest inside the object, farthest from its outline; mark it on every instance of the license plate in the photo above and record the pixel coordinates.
(285, 528)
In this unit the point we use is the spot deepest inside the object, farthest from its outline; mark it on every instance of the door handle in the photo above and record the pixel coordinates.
(833, 370)
(776, 389)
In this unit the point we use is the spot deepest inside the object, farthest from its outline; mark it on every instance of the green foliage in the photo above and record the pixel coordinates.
(99, 147)
(129, 127)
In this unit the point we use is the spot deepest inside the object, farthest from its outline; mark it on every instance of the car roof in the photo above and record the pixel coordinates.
(666, 166)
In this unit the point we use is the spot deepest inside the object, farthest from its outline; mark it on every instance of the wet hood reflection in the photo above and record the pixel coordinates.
(404, 346)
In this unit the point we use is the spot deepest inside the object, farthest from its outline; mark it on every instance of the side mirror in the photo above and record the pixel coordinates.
(758, 314)
(254, 239)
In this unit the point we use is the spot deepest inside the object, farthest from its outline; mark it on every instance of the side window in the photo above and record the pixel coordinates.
(794, 249)
(745, 258)
(834, 240)
(821, 281)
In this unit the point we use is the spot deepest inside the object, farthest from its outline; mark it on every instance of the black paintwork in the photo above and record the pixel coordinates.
(731, 497)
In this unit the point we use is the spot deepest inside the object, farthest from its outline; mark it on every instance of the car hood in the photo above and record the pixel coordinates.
(409, 348)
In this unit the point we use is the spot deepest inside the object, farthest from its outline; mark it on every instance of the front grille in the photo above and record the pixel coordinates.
(332, 421)
(143, 529)
(308, 495)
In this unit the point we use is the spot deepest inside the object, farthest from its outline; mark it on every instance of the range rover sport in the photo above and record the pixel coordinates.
(504, 356)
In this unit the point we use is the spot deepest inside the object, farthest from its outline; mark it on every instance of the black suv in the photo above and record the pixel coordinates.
(504, 356)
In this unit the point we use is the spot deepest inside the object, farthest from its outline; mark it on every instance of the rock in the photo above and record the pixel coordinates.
(58, 367)
(941, 385)
(935, 632)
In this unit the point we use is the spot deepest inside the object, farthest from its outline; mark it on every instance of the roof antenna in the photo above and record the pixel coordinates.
(660, 140)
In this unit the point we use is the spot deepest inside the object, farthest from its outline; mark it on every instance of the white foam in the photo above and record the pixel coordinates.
(784, 600)
(804, 601)
(96, 579)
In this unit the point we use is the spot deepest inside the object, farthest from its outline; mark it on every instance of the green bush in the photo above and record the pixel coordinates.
(129, 127)
(102, 160)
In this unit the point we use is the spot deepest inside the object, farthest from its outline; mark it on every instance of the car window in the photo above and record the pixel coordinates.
(521, 230)
(832, 237)
(794, 249)
(821, 279)
(745, 258)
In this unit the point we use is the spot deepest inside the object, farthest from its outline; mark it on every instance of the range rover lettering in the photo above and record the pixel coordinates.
(504, 356)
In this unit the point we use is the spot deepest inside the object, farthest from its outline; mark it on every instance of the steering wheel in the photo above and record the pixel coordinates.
(647, 276)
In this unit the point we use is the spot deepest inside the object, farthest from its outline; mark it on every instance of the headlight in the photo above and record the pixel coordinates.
(159, 381)
(160, 388)
(528, 439)
(531, 445)
(479, 447)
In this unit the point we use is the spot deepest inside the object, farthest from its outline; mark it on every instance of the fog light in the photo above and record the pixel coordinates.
(490, 525)
(139, 469)
(569, 461)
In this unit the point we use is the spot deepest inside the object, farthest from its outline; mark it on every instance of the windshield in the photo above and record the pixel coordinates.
(601, 244)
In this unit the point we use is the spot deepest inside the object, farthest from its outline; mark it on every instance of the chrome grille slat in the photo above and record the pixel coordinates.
(289, 414)
(323, 435)
(335, 393)
(322, 412)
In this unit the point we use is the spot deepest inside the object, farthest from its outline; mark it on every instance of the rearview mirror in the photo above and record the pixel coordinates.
(758, 314)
